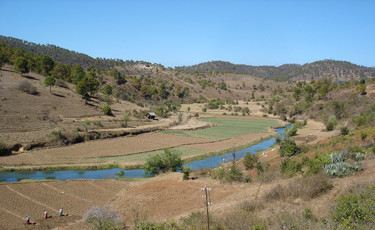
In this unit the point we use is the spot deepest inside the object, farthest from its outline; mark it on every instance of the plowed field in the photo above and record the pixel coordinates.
(75, 197)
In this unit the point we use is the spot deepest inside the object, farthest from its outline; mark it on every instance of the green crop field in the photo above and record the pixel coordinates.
(142, 157)
(229, 127)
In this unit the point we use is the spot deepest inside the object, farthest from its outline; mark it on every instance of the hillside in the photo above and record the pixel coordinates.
(331, 69)
(62, 55)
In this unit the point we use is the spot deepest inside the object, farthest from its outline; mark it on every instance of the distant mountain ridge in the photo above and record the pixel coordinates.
(334, 70)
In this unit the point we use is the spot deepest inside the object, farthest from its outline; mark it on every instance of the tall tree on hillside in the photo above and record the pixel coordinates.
(49, 81)
(60, 71)
(46, 65)
(88, 86)
(77, 73)
(21, 65)
(297, 93)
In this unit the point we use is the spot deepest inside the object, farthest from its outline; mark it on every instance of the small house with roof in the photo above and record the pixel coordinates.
(151, 115)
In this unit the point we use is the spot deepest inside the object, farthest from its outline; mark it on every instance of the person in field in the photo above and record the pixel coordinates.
(45, 214)
(27, 219)
(61, 212)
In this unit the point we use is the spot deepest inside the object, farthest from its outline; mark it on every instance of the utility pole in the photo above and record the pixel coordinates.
(207, 202)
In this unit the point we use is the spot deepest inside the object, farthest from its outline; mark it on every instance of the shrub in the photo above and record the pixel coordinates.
(195, 220)
(306, 188)
(317, 163)
(261, 167)
(86, 124)
(290, 167)
(234, 174)
(204, 109)
(330, 127)
(308, 214)
(186, 171)
(230, 175)
(147, 225)
(162, 163)
(126, 119)
(103, 218)
(292, 132)
(344, 131)
(107, 89)
(203, 172)
(332, 122)
(59, 138)
(355, 210)
(107, 109)
(288, 148)
(27, 87)
(363, 135)
(250, 160)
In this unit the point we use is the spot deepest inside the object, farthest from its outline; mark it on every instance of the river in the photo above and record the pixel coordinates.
(210, 162)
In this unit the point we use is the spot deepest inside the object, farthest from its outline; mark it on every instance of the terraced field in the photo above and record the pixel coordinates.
(229, 127)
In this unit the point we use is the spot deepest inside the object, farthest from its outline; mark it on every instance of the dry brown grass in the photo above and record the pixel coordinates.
(306, 188)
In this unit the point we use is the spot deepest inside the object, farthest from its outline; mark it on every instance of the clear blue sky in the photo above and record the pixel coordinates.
(175, 33)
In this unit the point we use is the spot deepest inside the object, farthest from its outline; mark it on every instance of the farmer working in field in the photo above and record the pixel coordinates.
(27, 219)
(45, 214)
(61, 212)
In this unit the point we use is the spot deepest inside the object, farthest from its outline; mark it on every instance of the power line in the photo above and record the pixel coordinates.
(207, 202)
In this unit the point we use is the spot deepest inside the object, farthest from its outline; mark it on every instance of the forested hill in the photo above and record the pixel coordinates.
(62, 55)
(334, 70)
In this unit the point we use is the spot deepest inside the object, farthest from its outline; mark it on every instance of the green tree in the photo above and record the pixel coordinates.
(222, 85)
(297, 93)
(309, 93)
(60, 71)
(107, 89)
(362, 87)
(82, 88)
(250, 160)
(292, 132)
(88, 86)
(46, 65)
(167, 161)
(344, 131)
(162, 91)
(49, 81)
(126, 118)
(288, 148)
(107, 109)
(77, 73)
(21, 65)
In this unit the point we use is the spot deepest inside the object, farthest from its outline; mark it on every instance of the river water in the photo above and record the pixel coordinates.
(211, 162)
